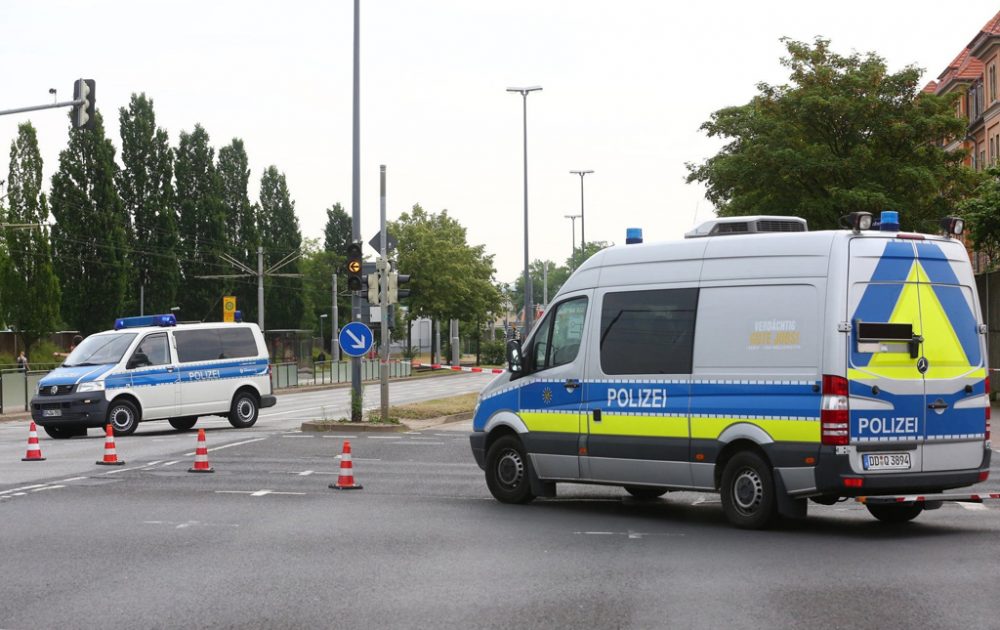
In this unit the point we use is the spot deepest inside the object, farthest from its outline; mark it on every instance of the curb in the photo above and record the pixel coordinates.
(327, 426)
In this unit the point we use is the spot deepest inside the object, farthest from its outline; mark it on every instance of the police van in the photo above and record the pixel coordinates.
(151, 368)
(756, 359)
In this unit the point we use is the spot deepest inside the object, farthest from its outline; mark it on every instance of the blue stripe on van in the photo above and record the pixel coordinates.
(187, 373)
(952, 299)
(929, 424)
(879, 300)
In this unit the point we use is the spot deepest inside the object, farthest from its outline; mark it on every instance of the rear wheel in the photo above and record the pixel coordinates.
(507, 471)
(244, 410)
(183, 424)
(748, 494)
(123, 417)
(900, 513)
(644, 493)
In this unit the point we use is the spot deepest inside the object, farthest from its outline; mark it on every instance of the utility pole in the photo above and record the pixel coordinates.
(260, 273)
(356, 203)
(260, 288)
(383, 293)
(583, 234)
(335, 329)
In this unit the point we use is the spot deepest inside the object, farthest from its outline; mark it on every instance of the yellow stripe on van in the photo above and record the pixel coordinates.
(779, 430)
(645, 426)
(568, 422)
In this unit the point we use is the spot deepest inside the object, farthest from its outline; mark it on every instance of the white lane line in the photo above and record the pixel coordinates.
(170, 463)
(419, 443)
(257, 493)
(339, 436)
(305, 473)
(47, 488)
(72, 479)
(36, 485)
(118, 470)
(308, 437)
(973, 507)
(219, 448)
(384, 437)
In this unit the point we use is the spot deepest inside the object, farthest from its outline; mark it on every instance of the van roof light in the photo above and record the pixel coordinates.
(238, 317)
(857, 221)
(889, 221)
(953, 226)
(145, 320)
(633, 236)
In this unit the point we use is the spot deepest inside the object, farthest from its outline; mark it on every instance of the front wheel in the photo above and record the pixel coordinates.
(507, 471)
(895, 513)
(644, 493)
(183, 424)
(244, 410)
(123, 417)
(748, 494)
(63, 433)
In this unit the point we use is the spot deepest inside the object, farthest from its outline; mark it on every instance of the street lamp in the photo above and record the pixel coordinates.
(583, 238)
(573, 218)
(528, 306)
(322, 344)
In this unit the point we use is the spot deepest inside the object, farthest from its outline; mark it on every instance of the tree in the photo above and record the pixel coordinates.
(278, 221)
(337, 233)
(202, 218)
(317, 267)
(29, 284)
(451, 279)
(558, 275)
(145, 185)
(844, 135)
(242, 217)
(982, 212)
(88, 238)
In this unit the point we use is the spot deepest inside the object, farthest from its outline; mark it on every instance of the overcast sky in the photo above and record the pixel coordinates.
(626, 85)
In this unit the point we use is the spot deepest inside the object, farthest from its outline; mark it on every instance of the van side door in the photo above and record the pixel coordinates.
(553, 388)
(155, 379)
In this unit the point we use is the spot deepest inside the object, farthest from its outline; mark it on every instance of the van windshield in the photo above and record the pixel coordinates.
(100, 350)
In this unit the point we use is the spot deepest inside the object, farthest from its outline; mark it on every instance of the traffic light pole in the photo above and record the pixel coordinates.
(356, 208)
(383, 294)
(35, 108)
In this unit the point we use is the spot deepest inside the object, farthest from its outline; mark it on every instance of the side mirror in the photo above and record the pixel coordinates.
(514, 363)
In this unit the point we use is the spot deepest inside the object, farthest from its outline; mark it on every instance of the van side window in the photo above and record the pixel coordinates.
(648, 332)
(237, 342)
(152, 350)
(559, 336)
(198, 345)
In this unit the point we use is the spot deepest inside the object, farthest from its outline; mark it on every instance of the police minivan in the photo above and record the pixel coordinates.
(756, 359)
(151, 368)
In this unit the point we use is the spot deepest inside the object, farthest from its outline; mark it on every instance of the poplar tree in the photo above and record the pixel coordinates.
(202, 220)
(146, 188)
(234, 172)
(29, 285)
(283, 295)
(88, 238)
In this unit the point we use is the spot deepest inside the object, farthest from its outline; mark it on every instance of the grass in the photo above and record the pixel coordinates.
(435, 408)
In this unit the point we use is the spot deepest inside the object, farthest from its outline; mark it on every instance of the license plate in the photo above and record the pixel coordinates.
(50, 413)
(886, 461)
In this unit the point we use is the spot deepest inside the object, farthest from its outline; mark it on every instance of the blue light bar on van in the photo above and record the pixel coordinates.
(238, 317)
(144, 321)
(633, 236)
(889, 221)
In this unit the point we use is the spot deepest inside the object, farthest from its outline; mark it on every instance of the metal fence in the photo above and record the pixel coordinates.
(17, 387)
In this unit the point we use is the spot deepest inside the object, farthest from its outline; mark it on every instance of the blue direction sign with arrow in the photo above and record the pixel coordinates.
(356, 339)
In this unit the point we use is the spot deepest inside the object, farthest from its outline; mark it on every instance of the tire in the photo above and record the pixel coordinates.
(123, 417)
(895, 513)
(62, 433)
(643, 493)
(183, 424)
(507, 471)
(748, 494)
(244, 410)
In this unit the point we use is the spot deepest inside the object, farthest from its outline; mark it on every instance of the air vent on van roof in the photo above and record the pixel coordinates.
(748, 225)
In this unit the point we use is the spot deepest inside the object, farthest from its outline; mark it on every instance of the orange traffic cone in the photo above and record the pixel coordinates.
(110, 454)
(346, 479)
(201, 455)
(34, 453)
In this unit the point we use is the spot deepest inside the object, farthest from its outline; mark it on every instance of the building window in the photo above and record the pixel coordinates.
(982, 159)
(993, 83)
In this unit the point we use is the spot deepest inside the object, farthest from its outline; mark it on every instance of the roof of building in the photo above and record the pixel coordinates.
(991, 28)
(930, 88)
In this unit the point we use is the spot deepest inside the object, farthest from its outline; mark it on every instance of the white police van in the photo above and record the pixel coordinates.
(149, 368)
(756, 359)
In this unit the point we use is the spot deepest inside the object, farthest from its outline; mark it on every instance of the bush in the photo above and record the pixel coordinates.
(493, 352)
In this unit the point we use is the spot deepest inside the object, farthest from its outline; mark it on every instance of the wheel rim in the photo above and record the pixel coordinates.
(245, 409)
(122, 418)
(748, 491)
(510, 469)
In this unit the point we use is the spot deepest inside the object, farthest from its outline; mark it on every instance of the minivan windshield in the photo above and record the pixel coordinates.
(100, 350)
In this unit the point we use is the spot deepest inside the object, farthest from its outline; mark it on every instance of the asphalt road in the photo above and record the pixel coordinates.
(264, 543)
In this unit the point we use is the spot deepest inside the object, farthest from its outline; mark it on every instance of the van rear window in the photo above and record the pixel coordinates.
(648, 332)
(215, 343)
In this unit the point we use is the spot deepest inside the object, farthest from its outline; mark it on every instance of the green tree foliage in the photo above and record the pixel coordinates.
(202, 227)
(317, 268)
(88, 238)
(28, 282)
(280, 227)
(558, 275)
(337, 233)
(451, 279)
(145, 185)
(241, 215)
(844, 135)
(982, 212)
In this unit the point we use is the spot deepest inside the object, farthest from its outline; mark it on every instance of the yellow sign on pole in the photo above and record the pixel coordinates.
(229, 308)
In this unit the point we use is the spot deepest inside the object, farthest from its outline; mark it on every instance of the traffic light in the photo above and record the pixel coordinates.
(83, 113)
(373, 288)
(397, 279)
(354, 267)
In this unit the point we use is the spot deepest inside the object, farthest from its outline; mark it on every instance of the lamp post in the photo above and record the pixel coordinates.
(572, 218)
(528, 306)
(583, 238)
(322, 343)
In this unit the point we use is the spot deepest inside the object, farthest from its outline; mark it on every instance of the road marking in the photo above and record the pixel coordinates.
(702, 500)
(338, 436)
(256, 493)
(219, 448)
(47, 488)
(973, 507)
(305, 473)
(72, 479)
(187, 524)
(36, 485)
(308, 437)
(384, 437)
(119, 470)
(170, 463)
(420, 443)
(630, 534)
